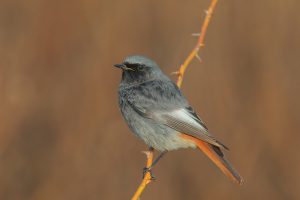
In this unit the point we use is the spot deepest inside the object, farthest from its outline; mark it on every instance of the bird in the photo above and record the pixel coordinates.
(157, 112)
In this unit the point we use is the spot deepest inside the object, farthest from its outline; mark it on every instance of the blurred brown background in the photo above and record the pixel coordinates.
(62, 135)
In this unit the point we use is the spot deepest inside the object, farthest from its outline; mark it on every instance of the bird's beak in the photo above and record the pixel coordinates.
(121, 66)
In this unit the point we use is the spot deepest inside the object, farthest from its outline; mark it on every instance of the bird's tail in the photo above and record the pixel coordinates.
(216, 155)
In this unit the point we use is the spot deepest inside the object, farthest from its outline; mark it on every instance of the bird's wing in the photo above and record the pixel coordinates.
(164, 103)
(188, 123)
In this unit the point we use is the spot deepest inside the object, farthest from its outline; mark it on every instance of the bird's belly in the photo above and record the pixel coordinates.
(158, 136)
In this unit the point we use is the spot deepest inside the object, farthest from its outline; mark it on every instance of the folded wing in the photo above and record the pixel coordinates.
(185, 121)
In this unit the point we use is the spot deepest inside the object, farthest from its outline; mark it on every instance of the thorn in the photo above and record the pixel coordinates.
(206, 12)
(177, 73)
(196, 34)
(198, 57)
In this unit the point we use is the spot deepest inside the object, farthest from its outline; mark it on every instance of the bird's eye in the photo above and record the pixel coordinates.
(135, 67)
(141, 67)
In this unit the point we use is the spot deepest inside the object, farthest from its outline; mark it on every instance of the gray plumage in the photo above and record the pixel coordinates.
(155, 109)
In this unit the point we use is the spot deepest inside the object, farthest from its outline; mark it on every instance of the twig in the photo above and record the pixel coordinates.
(147, 178)
(194, 54)
(199, 45)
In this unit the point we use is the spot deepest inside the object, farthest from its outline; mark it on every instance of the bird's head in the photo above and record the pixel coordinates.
(137, 69)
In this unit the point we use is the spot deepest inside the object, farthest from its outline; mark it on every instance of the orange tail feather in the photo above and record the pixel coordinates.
(218, 159)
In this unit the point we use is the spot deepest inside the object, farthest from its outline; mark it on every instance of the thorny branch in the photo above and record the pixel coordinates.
(199, 45)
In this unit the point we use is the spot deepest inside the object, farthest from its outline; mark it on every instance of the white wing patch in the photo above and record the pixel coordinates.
(184, 116)
(184, 122)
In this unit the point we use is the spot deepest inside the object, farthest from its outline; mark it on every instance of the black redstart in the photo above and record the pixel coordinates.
(157, 112)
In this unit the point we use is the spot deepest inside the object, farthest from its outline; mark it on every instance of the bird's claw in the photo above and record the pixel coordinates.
(148, 170)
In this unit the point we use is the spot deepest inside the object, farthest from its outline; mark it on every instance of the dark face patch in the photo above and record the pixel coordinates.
(136, 73)
(136, 66)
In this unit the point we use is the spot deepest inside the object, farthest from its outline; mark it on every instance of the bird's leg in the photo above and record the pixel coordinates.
(148, 169)
(157, 159)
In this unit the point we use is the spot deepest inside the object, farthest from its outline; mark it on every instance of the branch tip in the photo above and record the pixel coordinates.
(147, 153)
(200, 43)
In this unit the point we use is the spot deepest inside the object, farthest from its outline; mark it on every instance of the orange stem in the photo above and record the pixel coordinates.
(199, 44)
(147, 178)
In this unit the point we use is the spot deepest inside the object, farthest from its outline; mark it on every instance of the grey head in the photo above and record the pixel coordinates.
(137, 69)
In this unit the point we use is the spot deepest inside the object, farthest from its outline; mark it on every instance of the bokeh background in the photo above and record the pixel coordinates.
(62, 135)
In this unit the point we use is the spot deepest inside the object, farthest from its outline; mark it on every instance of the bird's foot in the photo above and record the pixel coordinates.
(148, 170)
